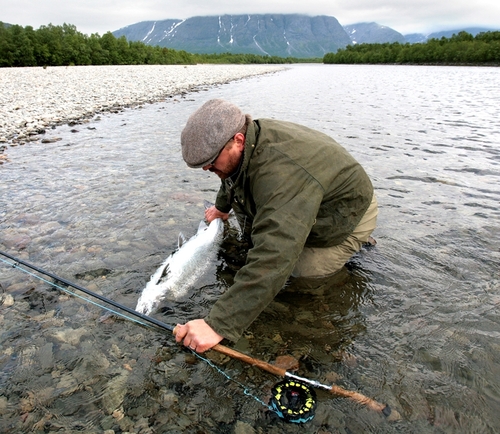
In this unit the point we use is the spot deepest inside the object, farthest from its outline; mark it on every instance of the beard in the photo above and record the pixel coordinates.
(231, 166)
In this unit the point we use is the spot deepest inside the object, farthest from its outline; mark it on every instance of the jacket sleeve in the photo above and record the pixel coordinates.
(289, 199)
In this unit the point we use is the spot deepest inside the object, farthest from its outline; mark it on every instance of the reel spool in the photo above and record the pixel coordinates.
(293, 401)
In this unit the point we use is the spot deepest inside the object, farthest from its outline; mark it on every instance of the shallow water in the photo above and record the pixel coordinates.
(413, 322)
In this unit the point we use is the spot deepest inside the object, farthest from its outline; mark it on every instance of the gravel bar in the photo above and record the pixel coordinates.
(32, 99)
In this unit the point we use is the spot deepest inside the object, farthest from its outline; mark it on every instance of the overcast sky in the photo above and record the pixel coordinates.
(405, 16)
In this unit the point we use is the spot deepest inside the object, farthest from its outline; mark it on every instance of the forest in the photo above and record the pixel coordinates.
(64, 46)
(460, 49)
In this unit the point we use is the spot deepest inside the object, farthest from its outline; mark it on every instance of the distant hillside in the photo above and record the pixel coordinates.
(269, 34)
(373, 33)
(415, 38)
(420, 37)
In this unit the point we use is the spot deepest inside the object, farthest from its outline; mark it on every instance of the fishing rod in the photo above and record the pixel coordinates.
(132, 312)
(292, 382)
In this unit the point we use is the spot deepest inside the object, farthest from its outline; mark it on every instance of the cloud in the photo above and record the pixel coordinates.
(422, 15)
(98, 16)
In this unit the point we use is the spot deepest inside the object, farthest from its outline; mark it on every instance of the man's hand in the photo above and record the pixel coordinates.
(197, 335)
(213, 213)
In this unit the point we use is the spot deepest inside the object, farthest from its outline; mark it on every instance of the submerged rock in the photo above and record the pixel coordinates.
(115, 392)
(69, 335)
(6, 300)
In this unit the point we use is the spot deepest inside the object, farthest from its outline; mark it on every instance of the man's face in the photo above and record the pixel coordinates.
(229, 158)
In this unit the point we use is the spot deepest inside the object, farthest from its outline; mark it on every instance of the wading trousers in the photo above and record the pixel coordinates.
(325, 261)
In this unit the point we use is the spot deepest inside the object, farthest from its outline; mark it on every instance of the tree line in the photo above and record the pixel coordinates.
(461, 48)
(65, 45)
(249, 59)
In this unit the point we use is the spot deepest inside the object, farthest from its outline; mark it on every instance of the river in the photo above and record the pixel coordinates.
(413, 322)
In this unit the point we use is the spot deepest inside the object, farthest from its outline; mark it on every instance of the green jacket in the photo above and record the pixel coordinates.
(296, 187)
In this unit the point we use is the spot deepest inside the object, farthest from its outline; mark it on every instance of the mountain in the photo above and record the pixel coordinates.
(268, 34)
(283, 35)
(415, 38)
(420, 37)
(373, 33)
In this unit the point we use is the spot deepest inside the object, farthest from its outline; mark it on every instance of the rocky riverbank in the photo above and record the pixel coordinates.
(33, 99)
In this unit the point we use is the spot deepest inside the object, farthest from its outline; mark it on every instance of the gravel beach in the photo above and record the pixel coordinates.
(32, 99)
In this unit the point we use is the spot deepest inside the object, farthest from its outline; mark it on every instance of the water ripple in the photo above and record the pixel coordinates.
(414, 321)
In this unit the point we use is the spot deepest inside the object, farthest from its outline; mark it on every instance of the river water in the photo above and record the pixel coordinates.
(413, 322)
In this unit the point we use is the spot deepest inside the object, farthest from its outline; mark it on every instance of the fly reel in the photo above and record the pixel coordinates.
(293, 401)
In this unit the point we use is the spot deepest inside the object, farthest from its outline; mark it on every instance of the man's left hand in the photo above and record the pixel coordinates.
(212, 213)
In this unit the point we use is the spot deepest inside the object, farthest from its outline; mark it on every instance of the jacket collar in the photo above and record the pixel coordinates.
(250, 144)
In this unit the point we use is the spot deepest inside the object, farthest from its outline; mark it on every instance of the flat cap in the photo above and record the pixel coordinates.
(208, 129)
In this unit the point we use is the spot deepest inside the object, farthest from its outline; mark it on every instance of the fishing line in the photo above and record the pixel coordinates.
(246, 391)
(16, 265)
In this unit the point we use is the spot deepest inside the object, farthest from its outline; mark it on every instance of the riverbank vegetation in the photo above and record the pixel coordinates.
(65, 45)
(460, 49)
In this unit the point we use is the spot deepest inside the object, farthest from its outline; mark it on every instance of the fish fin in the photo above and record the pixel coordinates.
(166, 272)
(181, 240)
(202, 226)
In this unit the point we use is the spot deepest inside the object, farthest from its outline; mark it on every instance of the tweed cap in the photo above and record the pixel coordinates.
(208, 129)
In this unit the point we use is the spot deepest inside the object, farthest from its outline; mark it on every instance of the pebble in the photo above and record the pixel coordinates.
(34, 99)
(243, 428)
(3, 405)
(69, 335)
(6, 300)
(115, 393)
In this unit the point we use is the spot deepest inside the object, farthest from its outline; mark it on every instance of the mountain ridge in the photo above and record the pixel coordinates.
(283, 35)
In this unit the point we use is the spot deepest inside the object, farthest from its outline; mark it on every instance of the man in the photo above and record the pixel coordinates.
(304, 201)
